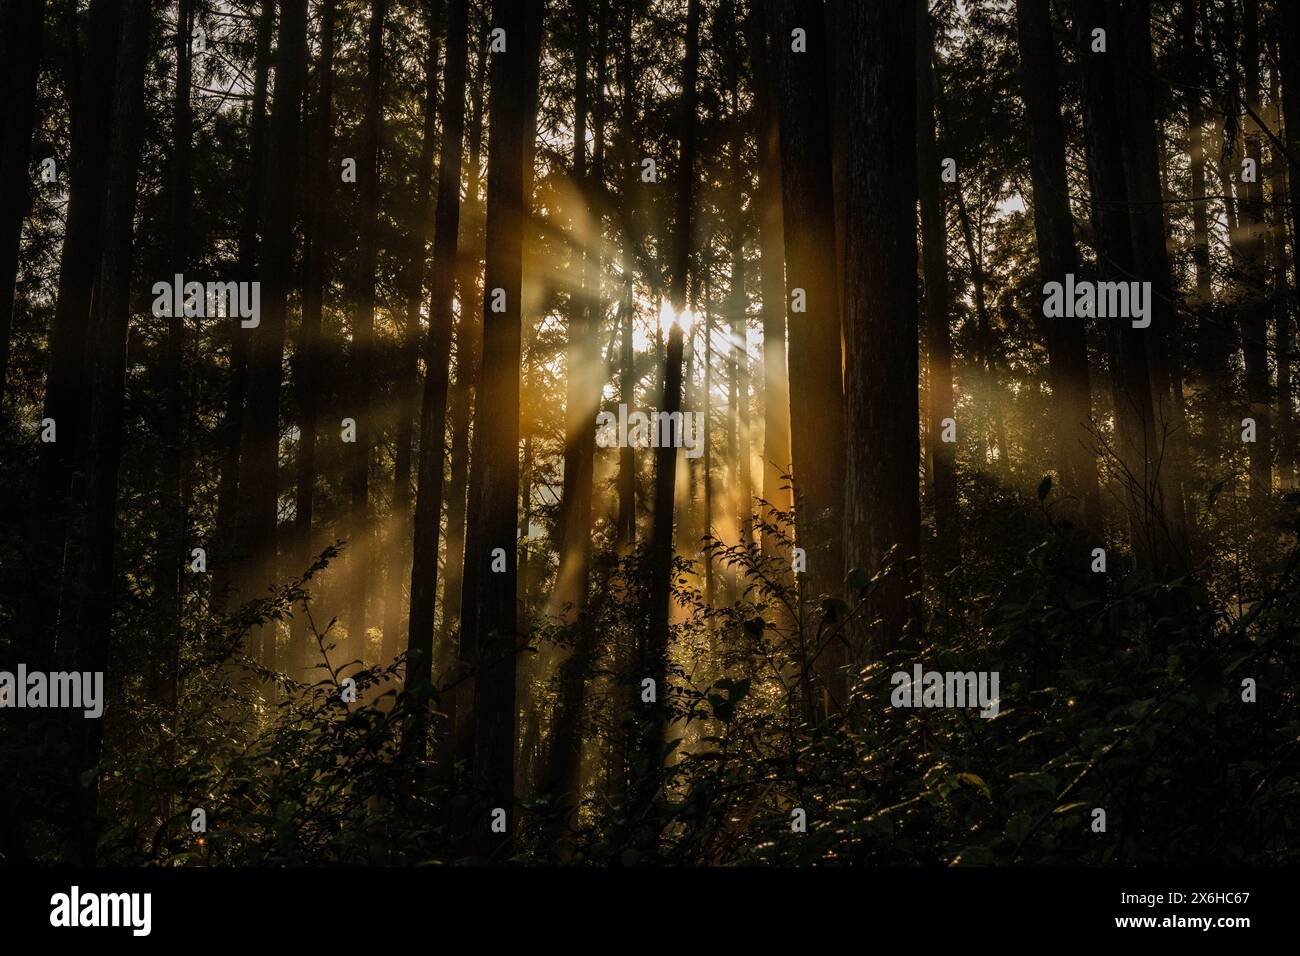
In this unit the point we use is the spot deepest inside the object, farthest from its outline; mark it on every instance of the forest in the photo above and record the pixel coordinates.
(649, 432)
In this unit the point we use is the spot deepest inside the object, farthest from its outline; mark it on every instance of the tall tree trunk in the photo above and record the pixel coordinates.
(877, 43)
(363, 342)
(409, 352)
(259, 472)
(1254, 308)
(984, 329)
(308, 356)
(934, 234)
(1289, 61)
(771, 268)
(562, 771)
(90, 95)
(86, 619)
(1194, 73)
(21, 28)
(1127, 347)
(227, 543)
(469, 338)
(626, 481)
(817, 417)
(1151, 255)
(582, 362)
(437, 355)
(1281, 290)
(173, 531)
(1067, 344)
(654, 652)
(488, 604)
(738, 302)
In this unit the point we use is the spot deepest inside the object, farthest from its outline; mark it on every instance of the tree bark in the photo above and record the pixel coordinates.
(1281, 297)
(86, 618)
(1289, 59)
(360, 565)
(937, 301)
(309, 354)
(433, 410)
(469, 338)
(877, 54)
(259, 473)
(738, 303)
(561, 775)
(173, 530)
(1066, 339)
(654, 655)
(21, 28)
(1151, 257)
(1254, 306)
(488, 603)
(771, 268)
(408, 353)
(90, 94)
(227, 534)
(1137, 446)
(815, 353)
(626, 481)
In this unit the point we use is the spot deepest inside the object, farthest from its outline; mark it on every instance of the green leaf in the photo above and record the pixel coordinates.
(975, 780)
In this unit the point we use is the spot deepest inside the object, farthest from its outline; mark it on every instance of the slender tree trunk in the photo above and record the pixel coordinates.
(1281, 292)
(813, 301)
(626, 481)
(469, 336)
(561, 775)
(488, 604)
(654, 653)
(582, 363)
(408, 354)
(1067, 344)
(771, 252)
(90, 95)
(988, 355)
(1196, 158)
(1142, 170)
(308, 356)
(1136, 435)
(360, 542)
(21, 28)
(437, 355)
(227, 543)
(173, 530)
(259, 472)
(1289, 60)
(738, 303)
(877, 43)
(934, 232)
(1254, 310)
(86, 619)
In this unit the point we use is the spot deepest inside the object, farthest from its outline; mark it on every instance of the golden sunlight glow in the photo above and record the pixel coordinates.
(667, 316)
